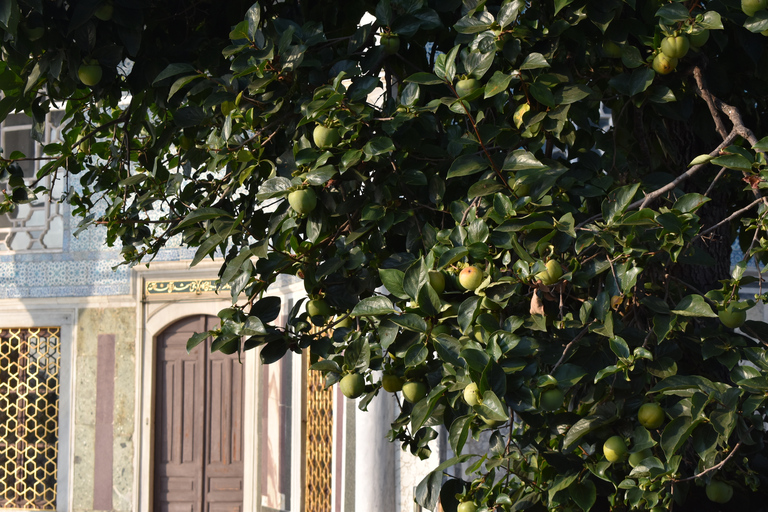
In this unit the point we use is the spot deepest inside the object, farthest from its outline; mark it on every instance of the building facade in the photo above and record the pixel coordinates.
(103, 409)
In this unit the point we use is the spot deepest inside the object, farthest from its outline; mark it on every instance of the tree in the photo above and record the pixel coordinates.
(591, 162)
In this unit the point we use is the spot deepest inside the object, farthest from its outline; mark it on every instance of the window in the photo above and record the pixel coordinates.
(30, 360)
(36, 226)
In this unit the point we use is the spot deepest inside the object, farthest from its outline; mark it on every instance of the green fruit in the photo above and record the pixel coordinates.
(470, 278)
(344, 323)
(391, 383)
(318, 307)
(611, 49)
(390, 43)
(731, 317)
(467, 506)
(699, 38)
(489, 422)
(719, 492)
(89, 74)
(636, 458)
(663, 64)
(325, 137)
(615, 449)
(352, 385)
(104, 11)
(675, 47)
(552, 274)
(437, 281)
(302, 201)
(414, 390)
(552, 399)
(467, 86)
(472, 395)
(650, 416)
(750, 7)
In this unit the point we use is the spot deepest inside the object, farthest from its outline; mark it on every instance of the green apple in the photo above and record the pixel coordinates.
(437, 281)
(663, 64)
(472, 394)
(731, 317)
(471, 277)
(467, 86)
(467, 506)
(719, 492)
(352, 385)
(637, 457)
(325, 137)
(650, 416)
(90, 74)
(391, 43)
(318, 307)
(104, 11)
(303, 201)
(552, 399)
(615, 449)
(391, 383)
(675, 47)
(414, 390)
(552, 274)
(750, 7)
(611, 49)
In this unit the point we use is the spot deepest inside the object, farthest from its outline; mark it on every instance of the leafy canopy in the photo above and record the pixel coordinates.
(593, 162)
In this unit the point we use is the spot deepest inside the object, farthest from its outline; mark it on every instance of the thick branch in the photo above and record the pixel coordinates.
(703, 91)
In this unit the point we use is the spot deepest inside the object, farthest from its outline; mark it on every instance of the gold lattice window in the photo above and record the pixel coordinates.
(319, 444)
(29, 410)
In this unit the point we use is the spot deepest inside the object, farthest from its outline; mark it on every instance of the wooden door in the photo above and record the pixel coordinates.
(198, 424)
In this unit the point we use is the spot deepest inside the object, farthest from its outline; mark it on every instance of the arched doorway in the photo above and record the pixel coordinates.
(198, 435)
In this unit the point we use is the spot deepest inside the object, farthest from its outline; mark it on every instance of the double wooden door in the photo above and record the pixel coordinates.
(198, 424)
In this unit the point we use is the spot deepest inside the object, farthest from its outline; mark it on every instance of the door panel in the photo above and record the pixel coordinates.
(198, 424)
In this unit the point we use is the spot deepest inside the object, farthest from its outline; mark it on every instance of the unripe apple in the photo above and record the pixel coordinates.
(552, 399)
(467, 86)
(472, 394)
(552, 274)
(390, 43)
(731, 317)
(318, 307)
(90, 74)
(719, 492)
(437, 281)
(615, 449)
(325, 137)
(391, 383)
(414, 390)
(650, 415)
(352, 385)
(303, 201)
(750, 7)
(663, 64)
(675, 47)
(471, 277)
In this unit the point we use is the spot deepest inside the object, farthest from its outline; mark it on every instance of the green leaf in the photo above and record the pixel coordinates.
(560, 4)
(675, 434)
(694, 305)
(571, 94)
(197, 339)
(425, 79)
(451, 256)
(737, 162)
(203, 214)
(467, 165)
(459, 431)
(410, 321)
(617, 202)
(373, 306)
(181, 82)
(173, 70)
(427, 491)
(378, 146)
(534, 60)
(584, 494)
(701, 159)
(498, 83)
(392, 279)
(689, 203)
(484, 188)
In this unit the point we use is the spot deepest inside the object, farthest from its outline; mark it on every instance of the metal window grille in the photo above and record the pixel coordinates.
(36, 226)
(319, 446)
(29, 409)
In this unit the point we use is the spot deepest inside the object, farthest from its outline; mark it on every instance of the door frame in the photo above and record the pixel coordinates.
(154, 314)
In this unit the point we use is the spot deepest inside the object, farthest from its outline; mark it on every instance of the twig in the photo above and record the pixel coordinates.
(713, 468)
(568, 346)
(710, 101)
(732, 216)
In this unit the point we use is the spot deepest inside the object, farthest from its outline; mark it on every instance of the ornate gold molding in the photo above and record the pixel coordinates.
(196, 286)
